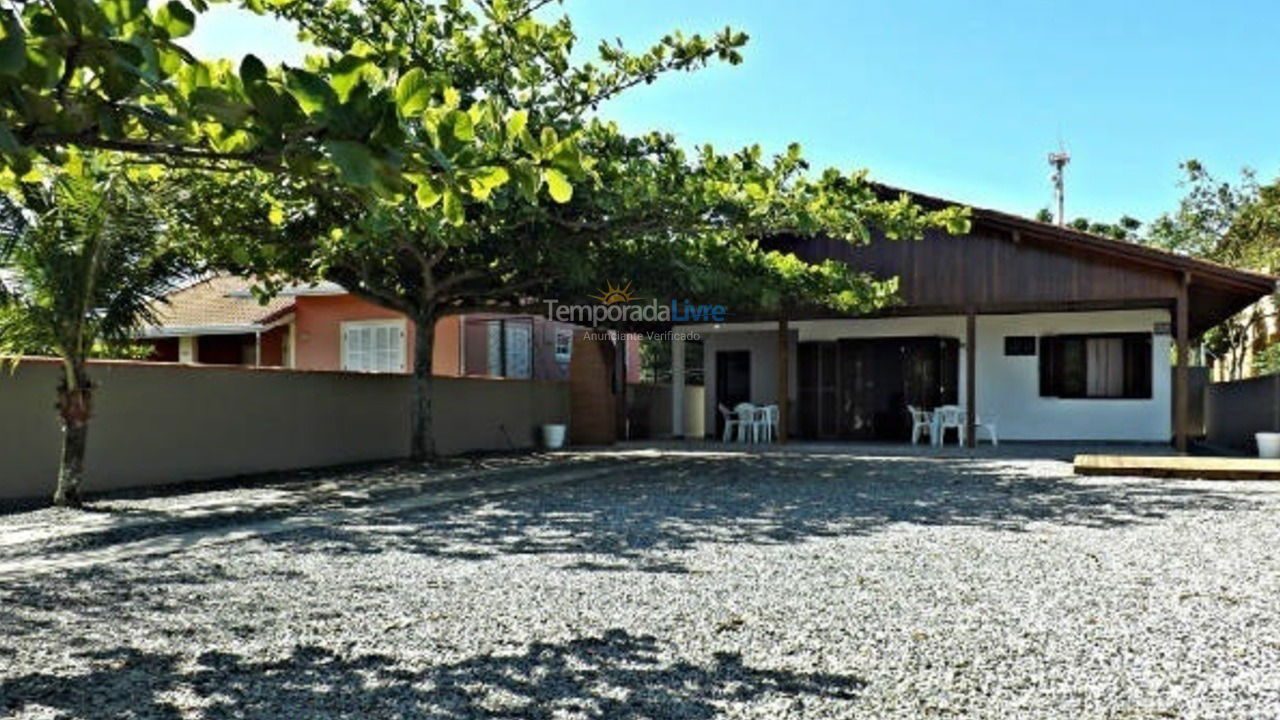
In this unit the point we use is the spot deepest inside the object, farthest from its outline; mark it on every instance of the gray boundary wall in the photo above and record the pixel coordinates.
(1238, 409)
(158, 423)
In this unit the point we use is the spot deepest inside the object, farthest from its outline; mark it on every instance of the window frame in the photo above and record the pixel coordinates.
(401, 326)
(1138, 383)
(503, 349)
(563, 334)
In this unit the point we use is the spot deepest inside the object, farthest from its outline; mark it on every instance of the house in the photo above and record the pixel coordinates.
(1060, 335)
(219, 321)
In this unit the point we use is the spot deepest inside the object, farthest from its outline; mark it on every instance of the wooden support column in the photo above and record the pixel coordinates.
(677, 384)
(1181, 378)
(970, 377)
(784, 378)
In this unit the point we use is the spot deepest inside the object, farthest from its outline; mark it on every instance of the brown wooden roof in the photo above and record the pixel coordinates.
(1008, 263)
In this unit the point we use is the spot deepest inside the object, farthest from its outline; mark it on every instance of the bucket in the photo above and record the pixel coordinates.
(553, 436)
(1268, 444)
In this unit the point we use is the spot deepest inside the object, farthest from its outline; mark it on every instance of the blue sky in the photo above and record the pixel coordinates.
(959, 99)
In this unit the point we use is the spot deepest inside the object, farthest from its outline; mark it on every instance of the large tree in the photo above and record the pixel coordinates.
(1232, 223)
(84, 255)
(432, 157)
(557, 200)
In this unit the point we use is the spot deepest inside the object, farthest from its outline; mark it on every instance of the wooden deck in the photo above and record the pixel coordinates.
(1186, 466)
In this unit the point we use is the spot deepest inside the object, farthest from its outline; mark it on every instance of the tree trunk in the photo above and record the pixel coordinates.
(422, 445)
(75, 405)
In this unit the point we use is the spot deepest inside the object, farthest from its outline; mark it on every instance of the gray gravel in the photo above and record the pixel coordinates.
(775, 586)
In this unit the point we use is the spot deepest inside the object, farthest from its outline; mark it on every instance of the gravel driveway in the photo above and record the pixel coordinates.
(663, 586)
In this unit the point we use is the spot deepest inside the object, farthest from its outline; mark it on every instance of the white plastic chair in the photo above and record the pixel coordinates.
(921, 424)
(746, 413)
(764, 425)
(987, 423)
(945, 418)
(730, 421)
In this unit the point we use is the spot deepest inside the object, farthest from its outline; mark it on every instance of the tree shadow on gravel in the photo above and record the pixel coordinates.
(633, 518)
(616, 675)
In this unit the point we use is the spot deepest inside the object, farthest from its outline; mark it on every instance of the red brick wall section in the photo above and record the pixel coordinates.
(591, 399)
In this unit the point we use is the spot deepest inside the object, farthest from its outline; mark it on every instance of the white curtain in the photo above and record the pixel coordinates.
(519, 349)
(517, 338)
(1105, 363)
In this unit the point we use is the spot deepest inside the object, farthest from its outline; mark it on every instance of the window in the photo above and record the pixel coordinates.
(373, 346)
(1020, 345)
(510, 348)
(564, 345)
(1115, 365)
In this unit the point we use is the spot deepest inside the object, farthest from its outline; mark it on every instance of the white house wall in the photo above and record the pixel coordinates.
(1008, 388)
(763, 346)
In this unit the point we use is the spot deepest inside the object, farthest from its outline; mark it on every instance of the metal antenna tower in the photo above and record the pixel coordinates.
(1059, 162)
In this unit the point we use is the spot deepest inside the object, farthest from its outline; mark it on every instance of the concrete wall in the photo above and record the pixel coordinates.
(1236, 410)
(1007, 387)
(163, 423)
(649, 411)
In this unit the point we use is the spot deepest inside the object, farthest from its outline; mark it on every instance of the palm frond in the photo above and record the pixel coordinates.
(90, 254)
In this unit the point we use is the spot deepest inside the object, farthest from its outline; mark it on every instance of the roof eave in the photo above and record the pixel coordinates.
(168, 331)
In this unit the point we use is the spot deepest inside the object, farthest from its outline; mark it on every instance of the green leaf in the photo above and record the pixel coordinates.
(13, 44)
(120, 12)
(8, 142)
(176, 19)
(413, 93)
(453, 209)
(220, 104)
(353, 159)
(451, 97)
(274, 108)
(461, 126)
(252, 70)
(428, 193)
(483, 181)
(311, 91)
(558, 185)
(526, 180)
(517, 123)
(69, 11)
(567, 157)
(347, 73)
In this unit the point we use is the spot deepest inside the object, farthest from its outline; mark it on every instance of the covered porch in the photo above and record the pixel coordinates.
(1083, 376)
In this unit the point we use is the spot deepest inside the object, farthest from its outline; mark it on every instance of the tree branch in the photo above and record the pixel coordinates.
(141, 147)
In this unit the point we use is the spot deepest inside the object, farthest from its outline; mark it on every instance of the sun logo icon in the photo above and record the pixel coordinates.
(612, 295)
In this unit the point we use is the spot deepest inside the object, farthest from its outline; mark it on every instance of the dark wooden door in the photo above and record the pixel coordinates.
(879, 377)
(819, 389)
(733, 382)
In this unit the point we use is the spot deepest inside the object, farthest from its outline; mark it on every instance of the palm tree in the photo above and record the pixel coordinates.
(84, 258)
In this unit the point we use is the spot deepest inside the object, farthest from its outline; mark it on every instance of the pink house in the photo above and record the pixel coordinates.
(218, 321)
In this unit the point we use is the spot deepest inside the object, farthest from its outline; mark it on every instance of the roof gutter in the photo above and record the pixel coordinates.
(186, 330)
